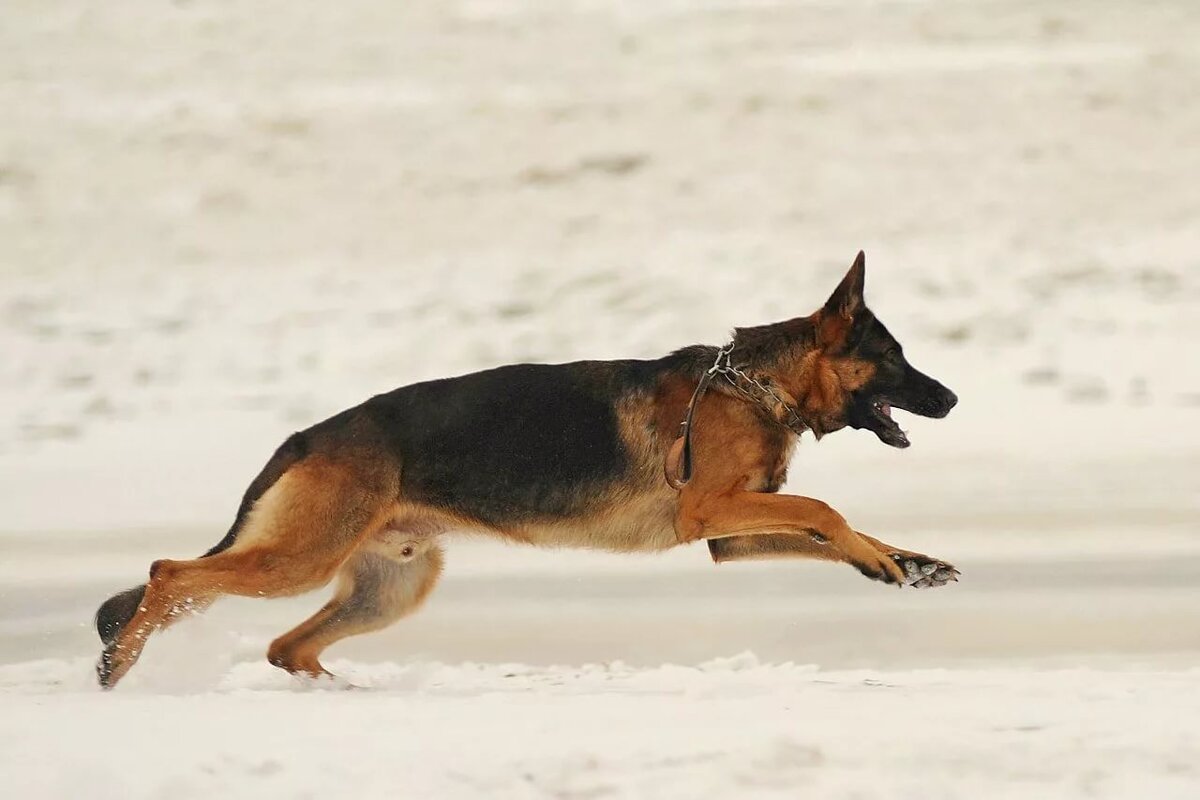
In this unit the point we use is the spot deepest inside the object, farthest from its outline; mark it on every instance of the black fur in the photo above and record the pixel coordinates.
(895, 379)
(513, 443)
(115, 612)
(895, 382)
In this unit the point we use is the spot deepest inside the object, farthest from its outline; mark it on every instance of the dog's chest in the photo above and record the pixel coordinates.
(770, 473)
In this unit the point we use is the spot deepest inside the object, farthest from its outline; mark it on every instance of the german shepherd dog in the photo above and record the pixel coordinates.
(614, 455)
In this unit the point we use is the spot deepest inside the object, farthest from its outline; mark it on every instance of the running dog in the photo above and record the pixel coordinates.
(634, 455)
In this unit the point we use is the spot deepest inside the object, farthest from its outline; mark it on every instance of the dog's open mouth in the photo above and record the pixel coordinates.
(882, 424)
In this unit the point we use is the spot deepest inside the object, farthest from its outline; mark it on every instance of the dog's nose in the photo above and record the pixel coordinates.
(951, 400)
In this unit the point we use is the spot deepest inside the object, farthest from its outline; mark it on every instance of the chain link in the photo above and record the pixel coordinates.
(723, 366)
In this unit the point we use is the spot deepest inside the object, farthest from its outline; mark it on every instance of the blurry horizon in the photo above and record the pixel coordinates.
(219, 224)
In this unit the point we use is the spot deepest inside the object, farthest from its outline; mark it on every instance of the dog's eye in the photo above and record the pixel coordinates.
(892, 354)
(407, 551)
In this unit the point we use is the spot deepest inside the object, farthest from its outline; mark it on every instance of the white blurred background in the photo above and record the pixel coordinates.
(221, 222)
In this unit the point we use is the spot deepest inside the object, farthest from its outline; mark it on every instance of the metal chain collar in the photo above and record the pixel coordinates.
(754, 389)
(756, 393)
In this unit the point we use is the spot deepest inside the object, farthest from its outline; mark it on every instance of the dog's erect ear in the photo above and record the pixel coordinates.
(847, 298)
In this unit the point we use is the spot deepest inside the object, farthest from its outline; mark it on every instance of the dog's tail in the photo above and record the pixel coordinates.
(115, 612)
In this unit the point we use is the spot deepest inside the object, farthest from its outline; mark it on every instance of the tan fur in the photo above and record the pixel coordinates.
(741, 456)
(818, 384)
(297, 536)
(373, 591)
(768, 546)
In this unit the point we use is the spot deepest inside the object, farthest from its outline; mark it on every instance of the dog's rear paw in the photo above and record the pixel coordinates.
(108, 667)
(923, 572)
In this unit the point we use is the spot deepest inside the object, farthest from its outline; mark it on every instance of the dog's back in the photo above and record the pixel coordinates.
(512, 444)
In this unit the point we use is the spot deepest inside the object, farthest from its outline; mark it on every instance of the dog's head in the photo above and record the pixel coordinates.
(843, 367)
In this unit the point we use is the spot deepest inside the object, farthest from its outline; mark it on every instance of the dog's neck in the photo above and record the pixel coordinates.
(761, 387)
(786, 358)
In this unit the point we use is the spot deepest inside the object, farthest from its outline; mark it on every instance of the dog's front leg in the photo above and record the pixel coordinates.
(920, 571)
(732, 513)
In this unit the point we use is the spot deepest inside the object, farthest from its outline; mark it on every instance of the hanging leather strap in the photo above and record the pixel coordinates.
(681, 451)
(685, 430)
(679, 462)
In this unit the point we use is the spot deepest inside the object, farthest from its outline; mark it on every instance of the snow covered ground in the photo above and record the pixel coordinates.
(728, 728)
(221, 221)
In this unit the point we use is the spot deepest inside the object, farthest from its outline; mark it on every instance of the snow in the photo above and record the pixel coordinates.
(726, 728)
(540, 674)
(220, 222)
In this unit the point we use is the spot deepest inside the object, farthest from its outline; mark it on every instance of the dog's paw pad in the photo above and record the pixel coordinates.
(921, 572)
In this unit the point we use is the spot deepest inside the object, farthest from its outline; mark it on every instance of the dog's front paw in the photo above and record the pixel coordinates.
(923, 572)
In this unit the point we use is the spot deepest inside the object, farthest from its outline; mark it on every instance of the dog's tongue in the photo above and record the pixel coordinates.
(886, 410)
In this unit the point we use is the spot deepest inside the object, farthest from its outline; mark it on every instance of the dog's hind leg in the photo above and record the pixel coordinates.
(295, 539)
(115, 612)
(373, 592)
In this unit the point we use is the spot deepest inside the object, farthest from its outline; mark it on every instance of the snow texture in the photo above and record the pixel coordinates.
(726, 728)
